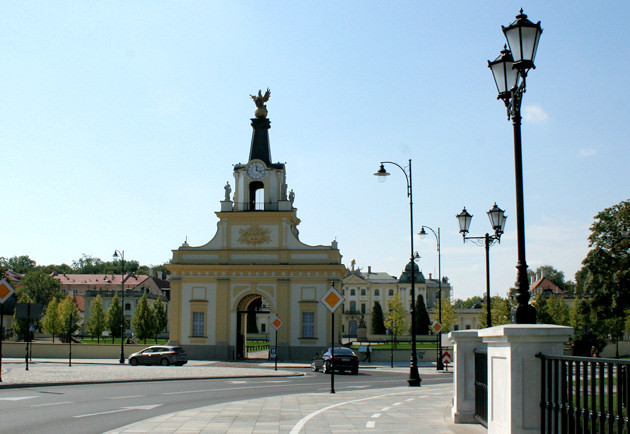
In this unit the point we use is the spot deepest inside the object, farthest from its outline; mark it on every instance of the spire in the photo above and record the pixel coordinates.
(260, 136)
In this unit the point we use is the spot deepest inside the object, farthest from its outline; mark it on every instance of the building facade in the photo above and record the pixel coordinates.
(254, 265)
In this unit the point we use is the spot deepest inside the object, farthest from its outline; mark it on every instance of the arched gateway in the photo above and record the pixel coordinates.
(254, 266)
(252, 327)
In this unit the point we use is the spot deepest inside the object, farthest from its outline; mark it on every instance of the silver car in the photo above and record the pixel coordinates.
(159, 355)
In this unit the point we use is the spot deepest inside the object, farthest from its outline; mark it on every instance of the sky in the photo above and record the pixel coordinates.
(120, 123)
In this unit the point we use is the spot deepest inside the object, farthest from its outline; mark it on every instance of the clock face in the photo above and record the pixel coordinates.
(256, 170)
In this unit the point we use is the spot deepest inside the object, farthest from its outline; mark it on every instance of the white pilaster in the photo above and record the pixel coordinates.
(465, 342)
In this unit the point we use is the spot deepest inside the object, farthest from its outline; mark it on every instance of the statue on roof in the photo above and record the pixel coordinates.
(260, 100)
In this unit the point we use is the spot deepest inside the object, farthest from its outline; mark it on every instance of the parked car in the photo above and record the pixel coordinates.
(159, 355)
(345, 360)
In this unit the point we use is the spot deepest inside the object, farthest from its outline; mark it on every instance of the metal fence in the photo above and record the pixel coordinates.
(481, 386)
(584, 394)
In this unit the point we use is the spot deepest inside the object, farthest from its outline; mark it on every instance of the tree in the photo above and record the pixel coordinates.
(20, 325)
(500, 311)
(97, 322)
(422, 317)
(69, 315)
(558, 311)
(41, 287)
(20, 264)
(468, 303)
(605, 276)
(160, 316)
(378, 320)
(448, 315)
(114, 314)
(142, 322)
(52, 321)
(396, 319)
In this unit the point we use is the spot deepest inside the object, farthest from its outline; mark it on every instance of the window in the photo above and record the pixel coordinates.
(353, 292)
(456, 327)
(353, 306)
(377, 292)
(391, 292)
(308, 324)
(198, 324)
(263, 328)
(127, 306)
(363, 308)
(363, 291)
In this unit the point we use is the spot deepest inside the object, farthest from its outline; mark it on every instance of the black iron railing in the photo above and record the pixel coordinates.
(584, 394)
(481, 386)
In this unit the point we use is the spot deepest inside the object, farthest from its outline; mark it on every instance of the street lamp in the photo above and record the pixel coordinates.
(414, 377)
(497, 220)
(508, 69)
(120, 254)
(423, 233)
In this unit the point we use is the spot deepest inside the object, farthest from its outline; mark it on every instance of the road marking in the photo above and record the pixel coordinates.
(396, 403)
(370, 424)
(386, 408)
(358, 387)
(16, 398)
(238, 382)
(136, 407)
(410, 399)
(185, 392)
(52, 403)
(276, 381)
(376, 415)
(127, 397)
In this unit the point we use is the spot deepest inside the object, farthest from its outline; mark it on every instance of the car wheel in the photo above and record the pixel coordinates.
(327, 368)
(314, 367)
(355, 371)
(133, 362)
(164, 362)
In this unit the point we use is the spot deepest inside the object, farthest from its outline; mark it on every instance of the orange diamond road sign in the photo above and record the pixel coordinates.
(437, 327)
(5, 290)
(277, 323)
(332, 299)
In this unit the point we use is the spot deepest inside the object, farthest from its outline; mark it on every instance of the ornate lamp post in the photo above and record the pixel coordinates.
(497, 220)
(423, 233)
(510, 71)
(414, 377)
(120, 254)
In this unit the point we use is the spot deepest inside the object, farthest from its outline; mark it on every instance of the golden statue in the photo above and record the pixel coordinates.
(260, 100)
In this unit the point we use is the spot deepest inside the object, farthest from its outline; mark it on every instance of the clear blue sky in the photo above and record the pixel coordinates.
(120, 123)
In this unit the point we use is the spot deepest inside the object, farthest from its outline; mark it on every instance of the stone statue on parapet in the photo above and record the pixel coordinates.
(260, 100)
(228, 191)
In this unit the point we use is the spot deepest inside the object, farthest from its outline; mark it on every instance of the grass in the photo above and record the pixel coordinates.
(117, 341)
(400, 346)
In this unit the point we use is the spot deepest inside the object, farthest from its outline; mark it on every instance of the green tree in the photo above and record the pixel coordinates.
(422, 317)
(468, 303)
(605, 276)
(69, 315)
(396, 318)
(114, 314)
(542, 313)
(448, 315)
(378, 320)
(161, 317)
(142, 322)
(500, 311)
(20, 325)
(558, 311)
(41, 287)
(20, 264)
(52, 321)
(97, 322)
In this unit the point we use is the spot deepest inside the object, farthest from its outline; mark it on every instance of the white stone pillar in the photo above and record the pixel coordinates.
(514, 373)
(464, 344)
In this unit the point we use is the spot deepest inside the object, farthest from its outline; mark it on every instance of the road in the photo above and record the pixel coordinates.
(102, 407)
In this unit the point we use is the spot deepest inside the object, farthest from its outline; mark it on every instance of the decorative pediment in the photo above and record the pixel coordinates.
(254, 235)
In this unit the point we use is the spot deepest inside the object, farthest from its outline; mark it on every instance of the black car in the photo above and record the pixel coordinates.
(159, 355)
(345, 360)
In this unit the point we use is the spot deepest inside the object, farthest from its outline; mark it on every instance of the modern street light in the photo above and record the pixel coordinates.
(414, 377)
(423, 233)
(497, 220)
(508, 70)
(120, 254)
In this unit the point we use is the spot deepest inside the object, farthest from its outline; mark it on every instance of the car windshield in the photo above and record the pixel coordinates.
(342, 351)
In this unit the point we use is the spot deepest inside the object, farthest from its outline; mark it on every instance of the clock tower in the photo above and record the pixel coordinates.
(254, 269)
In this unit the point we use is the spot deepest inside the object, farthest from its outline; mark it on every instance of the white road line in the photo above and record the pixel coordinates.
(396, 403)
(17, 398)
(137, 407)
(238, 382)
(52, 403)
(386, 408)
(370, 424)
(376, 415)
(127, 397)
(361, 386)
(410, 399)
(185, 392)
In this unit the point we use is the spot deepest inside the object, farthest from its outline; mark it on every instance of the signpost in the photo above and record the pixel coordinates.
(27, 311)
(276, 324)
(332, 300)
(446, 359)
(437, 328)
(5, 292)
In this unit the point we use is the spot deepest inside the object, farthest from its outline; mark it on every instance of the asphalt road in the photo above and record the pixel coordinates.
(102, 407)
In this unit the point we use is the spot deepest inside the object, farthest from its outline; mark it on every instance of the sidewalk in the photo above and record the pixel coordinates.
(402, 409)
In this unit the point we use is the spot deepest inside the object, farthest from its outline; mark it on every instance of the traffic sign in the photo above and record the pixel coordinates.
(332, 299)
(446, 357)
(437, 327)
(276, 323)
(5, 290)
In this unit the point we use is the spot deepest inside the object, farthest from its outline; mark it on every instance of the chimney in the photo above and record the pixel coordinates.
(369, 269)
(150, 271)
(429, 276)
(159, 275)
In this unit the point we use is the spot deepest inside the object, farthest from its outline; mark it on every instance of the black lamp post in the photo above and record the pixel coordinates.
(414, 377)
(118, 253)
(497, 220)
(510, 71)
(423, 233)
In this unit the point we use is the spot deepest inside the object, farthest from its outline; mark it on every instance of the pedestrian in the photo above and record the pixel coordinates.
(368, 354)
(593, 351)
